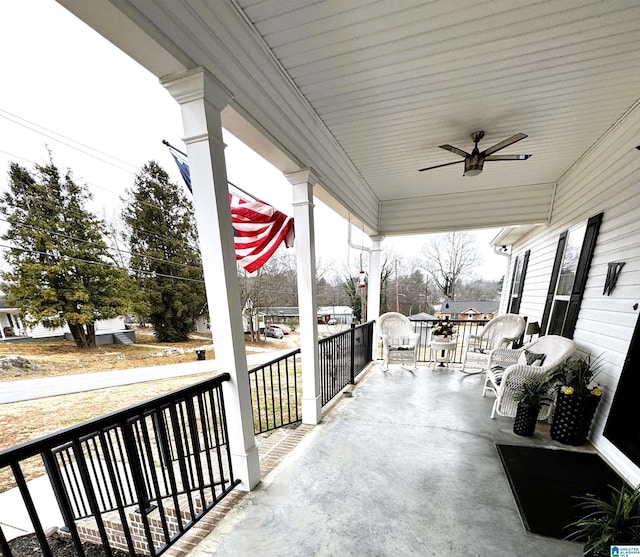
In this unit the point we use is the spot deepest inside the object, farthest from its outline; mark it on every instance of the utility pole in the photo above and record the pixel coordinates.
(397, 289)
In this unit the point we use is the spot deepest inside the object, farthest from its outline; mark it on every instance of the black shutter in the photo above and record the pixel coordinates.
(515, 302)
(582, 273)
(552, 283)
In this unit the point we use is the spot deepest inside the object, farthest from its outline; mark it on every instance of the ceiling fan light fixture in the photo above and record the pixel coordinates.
(474, 161)
(472, 166)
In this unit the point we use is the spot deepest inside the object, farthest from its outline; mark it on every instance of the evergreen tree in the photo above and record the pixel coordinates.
(163, 243)
(61, 270)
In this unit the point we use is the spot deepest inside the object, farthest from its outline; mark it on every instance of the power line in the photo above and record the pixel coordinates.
(32, 126)
(16, 157)
(77, 213)
(104, 264)
(113, 266)
(117, 249)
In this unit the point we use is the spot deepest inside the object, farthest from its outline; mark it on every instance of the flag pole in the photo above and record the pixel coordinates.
(251, 196)
(165, 142)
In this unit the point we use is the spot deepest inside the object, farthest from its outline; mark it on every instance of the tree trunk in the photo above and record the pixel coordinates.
(83, 338)
(91, 335)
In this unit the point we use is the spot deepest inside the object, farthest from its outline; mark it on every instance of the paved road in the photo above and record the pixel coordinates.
(29, 389)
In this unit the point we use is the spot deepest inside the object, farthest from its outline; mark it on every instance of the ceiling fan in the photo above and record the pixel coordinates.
(474, 161)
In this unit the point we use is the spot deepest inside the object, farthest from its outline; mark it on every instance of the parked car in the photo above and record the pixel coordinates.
(284, 328)
(273, 332)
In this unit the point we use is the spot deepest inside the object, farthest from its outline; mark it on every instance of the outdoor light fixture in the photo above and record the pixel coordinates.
(473, 164)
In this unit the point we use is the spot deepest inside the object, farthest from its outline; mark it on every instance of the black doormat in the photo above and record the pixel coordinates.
(546, 482)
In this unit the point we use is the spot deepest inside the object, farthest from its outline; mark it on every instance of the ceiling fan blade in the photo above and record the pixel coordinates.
(454, 150)
(507, 157)
(438, 166)
(509, 141)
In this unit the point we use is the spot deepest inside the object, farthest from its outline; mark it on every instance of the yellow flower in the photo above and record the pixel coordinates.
(568, 390)
(596, 392)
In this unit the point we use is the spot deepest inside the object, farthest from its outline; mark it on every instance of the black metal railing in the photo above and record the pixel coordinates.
(464, 328)
(276, 386)
(342, 357)
(150, 471)
(276, 392)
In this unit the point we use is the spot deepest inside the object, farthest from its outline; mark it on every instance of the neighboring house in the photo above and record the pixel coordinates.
(10, 322)
(12, 328)
(422, 317)
(334, 315)
(468, 310)
(561, 276)
(424, 328)
(285, 314)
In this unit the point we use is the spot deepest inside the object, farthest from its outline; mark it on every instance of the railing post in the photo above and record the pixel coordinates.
(6, 550)
(31, 509)
(62, 498)
(139, 485)
(352, 363)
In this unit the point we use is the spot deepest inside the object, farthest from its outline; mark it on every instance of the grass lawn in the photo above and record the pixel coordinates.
(28, 420)
(63, 357)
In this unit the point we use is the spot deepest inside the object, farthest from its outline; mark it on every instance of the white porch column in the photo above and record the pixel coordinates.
(202, 99)
(373, 294)
(303, 183)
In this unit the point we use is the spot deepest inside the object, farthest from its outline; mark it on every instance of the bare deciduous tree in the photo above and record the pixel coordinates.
(449, 258)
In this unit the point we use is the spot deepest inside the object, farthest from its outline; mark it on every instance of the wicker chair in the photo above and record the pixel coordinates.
(399, 341)
(497, 333)
(506, 372)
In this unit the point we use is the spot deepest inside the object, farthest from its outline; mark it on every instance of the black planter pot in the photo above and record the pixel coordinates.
(525, 421)
(572, 418)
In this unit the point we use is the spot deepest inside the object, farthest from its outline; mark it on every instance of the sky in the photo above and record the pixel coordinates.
(68, 91)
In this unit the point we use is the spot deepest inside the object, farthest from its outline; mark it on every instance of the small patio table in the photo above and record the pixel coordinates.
(441, 351)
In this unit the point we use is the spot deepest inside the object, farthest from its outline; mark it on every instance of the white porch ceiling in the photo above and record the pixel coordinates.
(364, 91)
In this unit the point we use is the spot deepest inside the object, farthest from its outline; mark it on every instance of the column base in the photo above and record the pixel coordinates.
(246, 468)
(311, 410)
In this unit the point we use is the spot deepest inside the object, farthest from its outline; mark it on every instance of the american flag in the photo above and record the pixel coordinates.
(183, 167)
(258, 228)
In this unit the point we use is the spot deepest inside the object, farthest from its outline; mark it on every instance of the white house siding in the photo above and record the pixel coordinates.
(110, 325)
(607, 180)
(104, 326)
(40, 331)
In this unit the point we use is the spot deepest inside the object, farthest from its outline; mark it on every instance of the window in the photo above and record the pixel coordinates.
(566, 278)
(517, 283)
(569, 278)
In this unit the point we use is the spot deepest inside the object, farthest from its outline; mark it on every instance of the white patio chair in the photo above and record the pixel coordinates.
(500, 332)
(508, 370)
(399, 341)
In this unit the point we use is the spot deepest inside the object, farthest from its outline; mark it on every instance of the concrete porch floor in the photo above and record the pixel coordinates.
(407, 466)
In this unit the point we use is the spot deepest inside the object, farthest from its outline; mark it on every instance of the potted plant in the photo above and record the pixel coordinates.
(443, 330)
(577, 400)
(531, 396)
(608, 523)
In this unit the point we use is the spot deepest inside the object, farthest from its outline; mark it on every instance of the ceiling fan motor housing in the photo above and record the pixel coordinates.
(474, 162)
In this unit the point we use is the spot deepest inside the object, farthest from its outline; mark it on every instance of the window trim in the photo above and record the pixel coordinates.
(580, 280)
